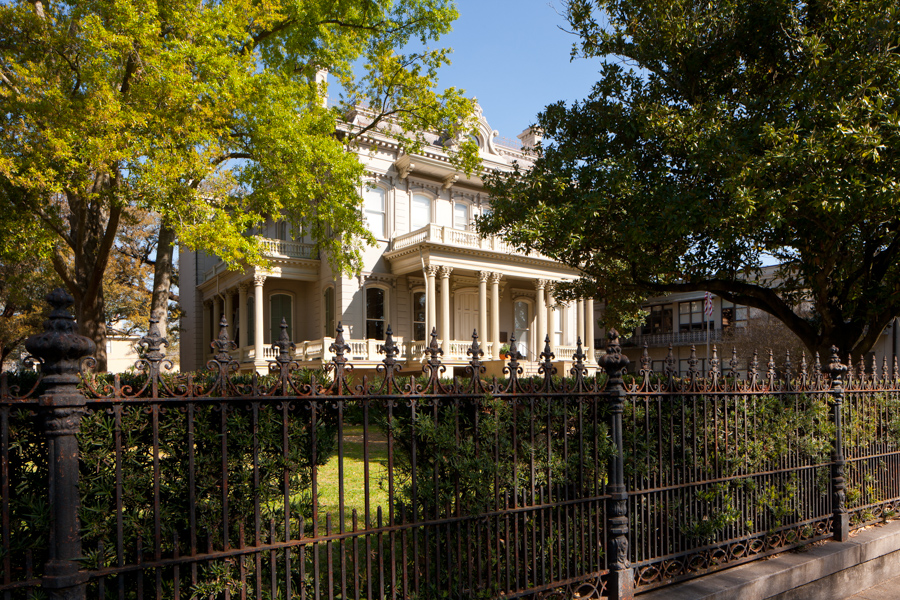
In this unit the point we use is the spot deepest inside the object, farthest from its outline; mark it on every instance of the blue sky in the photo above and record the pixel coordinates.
(514, 57)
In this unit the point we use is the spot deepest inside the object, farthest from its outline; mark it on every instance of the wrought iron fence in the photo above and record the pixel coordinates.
(334, 485)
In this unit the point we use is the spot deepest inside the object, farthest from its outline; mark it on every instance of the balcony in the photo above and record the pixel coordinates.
(447, 236)
(272, 249)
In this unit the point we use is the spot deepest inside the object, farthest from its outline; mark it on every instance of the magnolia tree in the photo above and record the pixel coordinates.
(719, 135)
(211, 115)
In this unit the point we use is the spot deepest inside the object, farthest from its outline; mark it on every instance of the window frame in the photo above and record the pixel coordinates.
(412, 209)
(367, 189)
(385, 310)
(424, 321)
(273, 334)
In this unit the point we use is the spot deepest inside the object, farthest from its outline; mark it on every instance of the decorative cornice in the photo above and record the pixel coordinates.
(522, 293)
(404, 166)
(386, 278)
(448, 181)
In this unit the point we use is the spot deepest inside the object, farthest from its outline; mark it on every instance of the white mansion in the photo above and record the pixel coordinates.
(428, 269)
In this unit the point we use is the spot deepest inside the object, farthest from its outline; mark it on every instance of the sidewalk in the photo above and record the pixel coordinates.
(888, 590)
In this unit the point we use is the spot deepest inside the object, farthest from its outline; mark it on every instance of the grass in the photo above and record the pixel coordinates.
(354, 479)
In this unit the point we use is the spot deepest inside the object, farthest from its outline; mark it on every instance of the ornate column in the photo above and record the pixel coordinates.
(841, 519)
(243, 288)
(430, 299)
(482, 306)
(445, 310)
(541, 310)
(621, 577)
(495, 315)
(258, 343)
(579, 320)
(62, 407)
(589, 328)
(229, 313)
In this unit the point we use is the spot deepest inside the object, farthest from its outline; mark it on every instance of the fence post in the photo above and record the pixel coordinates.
(621, 578)
(841, 519)
(61, 350)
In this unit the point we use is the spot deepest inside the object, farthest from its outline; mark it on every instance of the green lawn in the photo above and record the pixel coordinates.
(354, 479)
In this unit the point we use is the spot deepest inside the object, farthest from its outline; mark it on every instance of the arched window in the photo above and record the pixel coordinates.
(376, 305)
(328, 301)
(419, 310)
(421, 211)
(280, 308)
(522, 322)
(374, 211)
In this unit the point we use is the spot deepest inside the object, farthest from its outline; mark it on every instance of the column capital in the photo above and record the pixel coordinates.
(244, 287)
(259, 280)
(483, 275)
(495, 277)
(445, 272)
(208, 303)
(540, 284)
(431, 270)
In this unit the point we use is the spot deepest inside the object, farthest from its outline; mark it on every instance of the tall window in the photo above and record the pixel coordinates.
(251, 320)
(659, 320)
(690, 316)
(557, 327)
(280, 308)
(521, 321)
(328, 301)
(419, 308)
(421, 211)
(733, 315)
(373, 207)
(460, 216)
(375, 313)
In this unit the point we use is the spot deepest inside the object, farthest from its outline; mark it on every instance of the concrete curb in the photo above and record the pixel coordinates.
(831, 571)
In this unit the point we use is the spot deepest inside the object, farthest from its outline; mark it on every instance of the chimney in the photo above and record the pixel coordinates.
(530, 138)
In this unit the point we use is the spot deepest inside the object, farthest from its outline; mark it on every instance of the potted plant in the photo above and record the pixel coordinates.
(504, 351)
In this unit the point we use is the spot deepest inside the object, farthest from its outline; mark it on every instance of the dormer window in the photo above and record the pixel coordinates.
(421, 211)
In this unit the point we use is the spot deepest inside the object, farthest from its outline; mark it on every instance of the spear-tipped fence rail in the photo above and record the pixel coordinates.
(329, 485)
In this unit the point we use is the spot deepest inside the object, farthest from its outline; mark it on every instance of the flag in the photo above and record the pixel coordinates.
(707, 306)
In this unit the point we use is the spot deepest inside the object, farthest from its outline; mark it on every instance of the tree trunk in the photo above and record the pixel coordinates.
(162, 277)
(92, 231)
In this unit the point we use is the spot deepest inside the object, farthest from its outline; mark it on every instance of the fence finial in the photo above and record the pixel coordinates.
(475, 352)
(221, 345)
(60, 347)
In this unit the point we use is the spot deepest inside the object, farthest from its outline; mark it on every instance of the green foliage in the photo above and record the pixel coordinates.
(720, 134)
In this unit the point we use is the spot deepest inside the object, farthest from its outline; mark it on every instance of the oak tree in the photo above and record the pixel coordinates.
(108, 105)
(719, 136)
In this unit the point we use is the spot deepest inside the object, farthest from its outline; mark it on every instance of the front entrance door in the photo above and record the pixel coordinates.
(467, 317)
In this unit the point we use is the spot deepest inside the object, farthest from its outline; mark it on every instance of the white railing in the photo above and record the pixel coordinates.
(367, 351)
(286, 249)
(271, 248)
(438, 234)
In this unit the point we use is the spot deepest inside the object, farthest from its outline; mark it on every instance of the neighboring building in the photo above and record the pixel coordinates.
(680, 321)
(428, 269)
